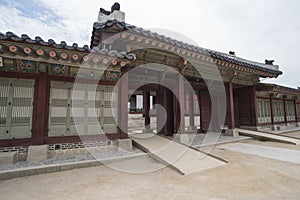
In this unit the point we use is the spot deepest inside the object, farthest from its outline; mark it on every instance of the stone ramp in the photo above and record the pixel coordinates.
(286, 155)
(269, 136)
(182, 158)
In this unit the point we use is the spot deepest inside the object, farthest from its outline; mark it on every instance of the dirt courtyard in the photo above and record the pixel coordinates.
(244, 177)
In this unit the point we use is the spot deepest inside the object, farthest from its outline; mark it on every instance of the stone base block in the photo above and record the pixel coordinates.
(183, 138)
(37, 153)
(232, 132)
(191, 128)
(275, 128)
(8, 158)
(124, 144)
(147, 130)
(298, 124)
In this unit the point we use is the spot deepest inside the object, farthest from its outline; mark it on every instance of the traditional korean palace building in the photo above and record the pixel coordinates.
(37, 84)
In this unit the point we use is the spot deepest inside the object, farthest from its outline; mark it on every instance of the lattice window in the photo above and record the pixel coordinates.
(16, 106)
(278, 110)
(263, 111)
(290, 111)
(83, 109)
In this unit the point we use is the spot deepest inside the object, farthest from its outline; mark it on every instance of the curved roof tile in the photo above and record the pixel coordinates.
(62, 45)
(214, 54)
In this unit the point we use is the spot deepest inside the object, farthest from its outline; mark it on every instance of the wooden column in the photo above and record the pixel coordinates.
(153, 100)
(191, 109)
(160, 97)
(123, 107)
(296, 110)
(253, 104)
(231, 106)
(169, 106)
(200, 110)
(40, 114)
(205, 111)
(146, 107)
(133, 103)
(199, 105)
(271, 108)
(180, 95)
(284, 110)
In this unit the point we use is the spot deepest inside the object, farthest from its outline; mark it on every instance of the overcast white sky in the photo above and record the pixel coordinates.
(254, 29)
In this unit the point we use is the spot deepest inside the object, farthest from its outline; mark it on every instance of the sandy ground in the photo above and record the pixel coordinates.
(245, 177)
(295, 134)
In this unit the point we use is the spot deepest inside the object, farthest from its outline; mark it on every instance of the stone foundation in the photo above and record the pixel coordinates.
(37, 153)
(124, 144)
(275, 127)
(147, 130)
(8, 158)
(62, 149)
(232, 132)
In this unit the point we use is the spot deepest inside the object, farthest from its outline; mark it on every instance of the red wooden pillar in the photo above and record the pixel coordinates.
(160, 95)
(284, 110)
(40, 114)
(180, 122)
(200, 110)
(164, 120)
(271, 108)
(169, 106)
(133, 103)
(296, 110)
(254, 111)
(191, 109)
(123, 107)
(205, 110)
(231, 106)
(146, 106)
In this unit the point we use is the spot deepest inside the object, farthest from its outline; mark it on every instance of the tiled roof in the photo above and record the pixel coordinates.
(9, 36)
(98, 27)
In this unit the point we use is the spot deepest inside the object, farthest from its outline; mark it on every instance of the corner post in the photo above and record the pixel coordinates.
(123, 106)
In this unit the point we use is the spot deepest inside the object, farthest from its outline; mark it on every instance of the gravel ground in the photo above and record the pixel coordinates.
(244, 177)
